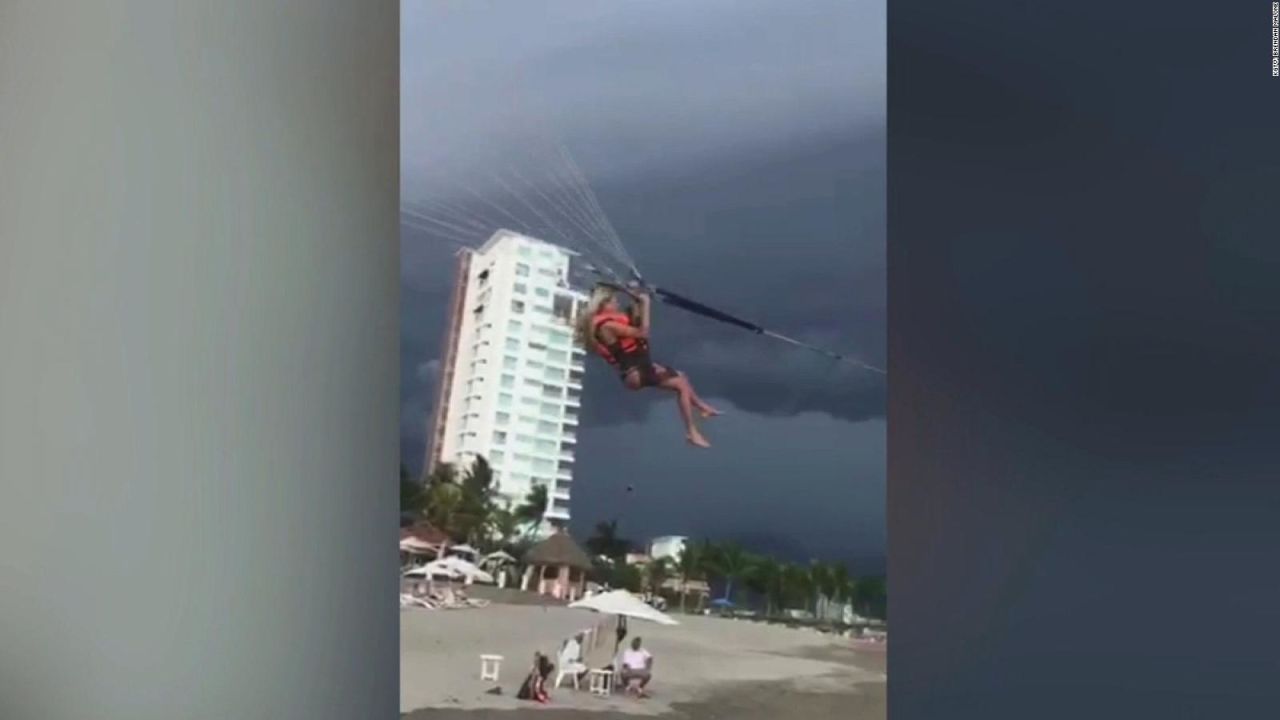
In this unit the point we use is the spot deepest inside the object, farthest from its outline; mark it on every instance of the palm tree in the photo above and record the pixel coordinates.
(797, 585)
(689, 566)
(730, 562)
(413, 495)
(872, 595)
(843, 585)
(657, 573)
(505, 525)
(476, 507)
(443, 474)
(444, 500)
(766, 577)
(820, 584)
(606, 541)
(535, 504)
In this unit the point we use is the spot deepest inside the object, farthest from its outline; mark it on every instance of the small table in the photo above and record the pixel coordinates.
(489, 667)
(601, 682)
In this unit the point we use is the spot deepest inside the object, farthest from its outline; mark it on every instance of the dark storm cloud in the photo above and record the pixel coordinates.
(738, 148)
(633, 85)
(805, 483)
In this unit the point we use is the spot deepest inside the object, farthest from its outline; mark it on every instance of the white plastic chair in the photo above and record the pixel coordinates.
(569, 667)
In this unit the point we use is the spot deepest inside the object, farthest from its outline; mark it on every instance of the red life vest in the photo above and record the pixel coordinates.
(616, 352)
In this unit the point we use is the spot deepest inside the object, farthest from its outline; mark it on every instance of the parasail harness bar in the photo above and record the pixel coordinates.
(697, 308)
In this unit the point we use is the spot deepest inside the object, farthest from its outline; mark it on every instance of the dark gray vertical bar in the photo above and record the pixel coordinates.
(198, 359)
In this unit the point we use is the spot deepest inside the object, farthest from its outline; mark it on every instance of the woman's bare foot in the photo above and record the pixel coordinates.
(708, 412)
(697, 440)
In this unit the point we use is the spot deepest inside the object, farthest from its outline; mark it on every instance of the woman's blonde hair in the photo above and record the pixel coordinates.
(583, 328)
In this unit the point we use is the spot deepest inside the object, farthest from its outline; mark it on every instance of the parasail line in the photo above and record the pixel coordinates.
(697, 308)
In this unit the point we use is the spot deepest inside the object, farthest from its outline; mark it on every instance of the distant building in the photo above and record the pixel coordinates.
(632, 558)
(667, 546)
(511, 377)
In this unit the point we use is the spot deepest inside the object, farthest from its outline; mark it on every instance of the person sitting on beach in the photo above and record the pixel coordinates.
(534, 686)
(571, 660)
(637, 665)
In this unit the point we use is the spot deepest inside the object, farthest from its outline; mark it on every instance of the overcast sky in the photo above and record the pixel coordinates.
(738, 148)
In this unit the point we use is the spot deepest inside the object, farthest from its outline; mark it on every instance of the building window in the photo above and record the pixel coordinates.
(499, 437)
(503, 418)
(521, 288)
(505, 399)
(563, 307)
(512, 344)
(522, 270)
(551, 391)
(509, 363)
(508, 381)
(542, 292)
(551, 409)
(547, 428)
(517, 306)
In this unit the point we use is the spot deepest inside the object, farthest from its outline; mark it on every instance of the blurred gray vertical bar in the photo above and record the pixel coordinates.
(198, 359)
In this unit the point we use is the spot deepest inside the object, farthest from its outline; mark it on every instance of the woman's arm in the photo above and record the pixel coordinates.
(644, 312)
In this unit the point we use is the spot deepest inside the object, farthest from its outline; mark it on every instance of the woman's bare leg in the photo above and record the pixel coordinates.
(684, 399)
(703, 408)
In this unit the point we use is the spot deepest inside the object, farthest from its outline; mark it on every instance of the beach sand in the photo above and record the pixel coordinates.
(703, 668)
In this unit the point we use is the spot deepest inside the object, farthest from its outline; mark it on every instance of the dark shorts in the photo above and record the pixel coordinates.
(650, 374)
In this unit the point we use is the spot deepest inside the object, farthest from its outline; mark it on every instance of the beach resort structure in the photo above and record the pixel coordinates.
(556, 567)
(511, 377)
(667, 546)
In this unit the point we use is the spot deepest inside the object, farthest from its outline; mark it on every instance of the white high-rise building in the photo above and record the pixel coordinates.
(511, 377)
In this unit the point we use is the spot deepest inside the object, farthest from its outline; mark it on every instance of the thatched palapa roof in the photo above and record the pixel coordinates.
(425, 532)
(559, 549)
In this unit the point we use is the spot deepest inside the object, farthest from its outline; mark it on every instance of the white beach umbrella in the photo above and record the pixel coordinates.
(468, 570)
(414, 545)
(462, 550)
(621, 602)
(453, 568)
(499, 556)
(435, 568)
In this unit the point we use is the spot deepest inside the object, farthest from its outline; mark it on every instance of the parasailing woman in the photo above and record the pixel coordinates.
(622, 339)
